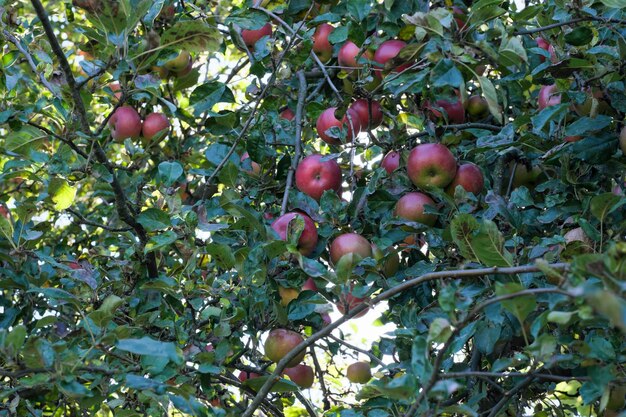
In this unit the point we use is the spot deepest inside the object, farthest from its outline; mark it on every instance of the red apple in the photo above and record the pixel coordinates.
(411, 207)
(179, 63)
(547, 96)
(350, 53)
(4, 211)
(116, 89)
(155, 124)
(287, 114)
(245, 375)
(364, 108)
(391, 161)
(477, 108)
(454, 110)
(347, 302)
(349, 243)
(351, 124)
(314, 176)
(359, 373)
(545, 45)
(125, 123)
(321, 46)
(251, 37)
(469, 177)
(622, 140)
(308, 237)
(256, 168)
(301, 374)
(431, 164)
(387, 51)
(309, 285)
(280, 342)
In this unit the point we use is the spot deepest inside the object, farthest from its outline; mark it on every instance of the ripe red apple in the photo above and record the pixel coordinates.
(4, 212)
(280, 342)
(309, 285)
(347, 302)
(454, 110)
(321, 46)
(251, 37)
(411, 207)
(547, 96)
(301, 374)
(391, 161)
(179, 63)
(622, 140)
(547, 46)
(359, 373)
(431, 164)
(350, 53)
(125, 123)
(155, 124)
(363, 107)
(468, 176)
(387, 51)
(350, 243)
(308, 237)
(314, 176)
(351, 124)
(287, 114)
(477, 108)
(116, 89)
(287, 295)
(245, 375)
(255, 171)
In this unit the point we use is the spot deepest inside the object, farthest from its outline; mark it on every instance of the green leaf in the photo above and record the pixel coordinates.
(359, 9)
(490, 94)
(205, 96)
(439, 331)
(169, 172)
(446, 73)
(222, 255)
(160, 241)
(615, 4)
(480, 242)
(588, 124)
(601, 205)
(512, 51)
(581, 35)
(140, 382)
(150, 347)
(520, 306)
(6, 228)
(25, 140)
(38, 353)
(193, 36)
(61, 193)
(547, 114)
(154, 219)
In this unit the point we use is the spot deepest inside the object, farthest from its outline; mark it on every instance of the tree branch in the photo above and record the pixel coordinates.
(83, 220)
(370, 355)
(569, 22)
(320, 378)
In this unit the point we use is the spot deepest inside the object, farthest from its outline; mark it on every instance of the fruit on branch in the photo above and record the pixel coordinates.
(125, 123)
(350, 243)
(155, 125)
(321, 46)
(391, 161)
(522, 176)
(390, 265)
(431, 165)
(622, 140)
(585, 108)
(468, 176)
(348, 302)
(547, 46)
(388, 51)
(350, 124)
(411, 207)
(287, 114)
(460, 17)
(116, 89)
(251, 37)
(547, 97)
(364, 108)
(280, 342)
(245, 375)
(180, 63)
(185, 70)
(255, 169)
(315, 175)
(477, 107)
(301, 375)
(455, 111)
(359, 373)
(4, 211)
(287, 295)
(309, 285)
(308, 238)
(349, 55)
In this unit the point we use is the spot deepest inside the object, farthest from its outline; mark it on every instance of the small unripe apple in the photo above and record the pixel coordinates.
(411, 207)
(359, 373)
(301, 375)
(255, 169)
(251, 37)
(577, 235)
(155, 124)
(179, 63)
(125, 123)
(350, 243)
(477, 108)
(391, 161)
(287, 295)
(321, 46)
(280, 342)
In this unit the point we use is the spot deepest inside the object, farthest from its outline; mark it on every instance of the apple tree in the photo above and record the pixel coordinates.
(198, 200)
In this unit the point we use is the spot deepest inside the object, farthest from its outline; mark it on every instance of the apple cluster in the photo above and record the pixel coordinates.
(126, 123)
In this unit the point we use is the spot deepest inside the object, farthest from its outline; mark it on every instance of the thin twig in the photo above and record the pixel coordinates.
(370, 355)
(320, 378)
(83, 220)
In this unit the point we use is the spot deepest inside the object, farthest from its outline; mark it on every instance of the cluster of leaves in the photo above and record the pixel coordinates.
(136, 278)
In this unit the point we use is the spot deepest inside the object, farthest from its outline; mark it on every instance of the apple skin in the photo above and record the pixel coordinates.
(362, 108)
(521, 176)
(245, 375)
(622, 140)
(387, 51)
(411, 207)
(468, 176)
(547, 97)
(250, 37)
(301, 375)
(116, 89)
(125, 123)
(309, 285)
(280, 342)
(431, 165)
(321, 46)
(547, 46)
(308, 237)
(4, 212)
(287, 114)
(287, 295)
(348, 55)
(153, 124)
(359, 373)
(327, 119)
(454, 110)
(391, 161)
(314, 176)
(349, 243)
(179, 63)
(256, 168)
(347, 302)
(477, 107)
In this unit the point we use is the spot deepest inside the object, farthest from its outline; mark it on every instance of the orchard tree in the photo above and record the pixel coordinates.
(195, 195)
